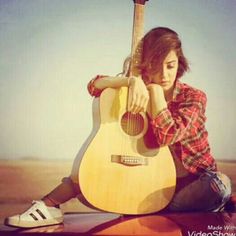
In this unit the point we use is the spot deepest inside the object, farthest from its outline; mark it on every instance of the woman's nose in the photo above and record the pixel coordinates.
(164, 73)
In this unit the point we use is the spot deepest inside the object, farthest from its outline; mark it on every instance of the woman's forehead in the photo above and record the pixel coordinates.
(171, 57)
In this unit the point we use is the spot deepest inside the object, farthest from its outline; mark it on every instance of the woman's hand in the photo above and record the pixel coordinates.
(154, 88)
(138, 95)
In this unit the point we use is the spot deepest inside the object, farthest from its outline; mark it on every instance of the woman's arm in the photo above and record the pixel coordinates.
(138, 93)
(111, 82)
(186, 120)
(101, 82)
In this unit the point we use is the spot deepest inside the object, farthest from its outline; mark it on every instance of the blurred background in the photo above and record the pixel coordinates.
(51, 49)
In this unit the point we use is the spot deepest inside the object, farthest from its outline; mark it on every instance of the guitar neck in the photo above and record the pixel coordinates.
(138, 28)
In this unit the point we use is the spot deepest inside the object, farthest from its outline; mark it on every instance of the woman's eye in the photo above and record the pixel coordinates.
(170, 66)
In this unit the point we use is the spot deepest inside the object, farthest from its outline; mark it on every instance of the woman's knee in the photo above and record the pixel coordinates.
(208, 193)
(221, 184)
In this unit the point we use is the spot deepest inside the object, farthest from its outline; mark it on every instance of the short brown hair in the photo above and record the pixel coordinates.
(157, 43)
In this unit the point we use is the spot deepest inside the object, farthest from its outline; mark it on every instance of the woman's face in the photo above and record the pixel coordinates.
(167, 75)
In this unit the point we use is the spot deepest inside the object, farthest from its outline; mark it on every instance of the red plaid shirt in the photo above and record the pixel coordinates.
(181, 126)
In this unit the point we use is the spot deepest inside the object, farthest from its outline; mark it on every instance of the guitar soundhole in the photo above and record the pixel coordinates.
(132, 124)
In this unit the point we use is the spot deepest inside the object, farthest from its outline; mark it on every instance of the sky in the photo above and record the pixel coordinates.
(50, 49)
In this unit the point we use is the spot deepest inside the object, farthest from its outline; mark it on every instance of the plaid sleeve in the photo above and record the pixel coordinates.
(93, 91)
(180, 122)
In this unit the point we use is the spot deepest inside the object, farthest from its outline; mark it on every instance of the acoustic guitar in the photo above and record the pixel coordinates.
(122, 169)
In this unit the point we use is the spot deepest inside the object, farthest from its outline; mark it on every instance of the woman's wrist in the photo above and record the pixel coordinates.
(157, 99)
(124, 81)
(128, 81)
(132, 79)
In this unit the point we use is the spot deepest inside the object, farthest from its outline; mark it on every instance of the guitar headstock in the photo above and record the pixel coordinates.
(142, 2)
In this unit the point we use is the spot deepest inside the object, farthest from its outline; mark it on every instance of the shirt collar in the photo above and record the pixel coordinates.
(177, 89)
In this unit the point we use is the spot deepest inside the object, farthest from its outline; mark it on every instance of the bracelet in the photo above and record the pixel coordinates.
(128, 81)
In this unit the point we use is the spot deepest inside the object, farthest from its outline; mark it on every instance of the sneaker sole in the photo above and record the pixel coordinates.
(28, 224)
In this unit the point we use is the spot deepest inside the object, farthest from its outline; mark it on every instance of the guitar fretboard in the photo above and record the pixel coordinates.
(136, 47)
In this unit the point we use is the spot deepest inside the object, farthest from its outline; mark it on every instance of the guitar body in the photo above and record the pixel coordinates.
(122, 170)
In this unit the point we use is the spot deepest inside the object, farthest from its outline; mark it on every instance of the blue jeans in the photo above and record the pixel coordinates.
(207, 192)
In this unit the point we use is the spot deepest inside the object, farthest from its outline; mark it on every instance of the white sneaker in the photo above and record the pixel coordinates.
(37, 215)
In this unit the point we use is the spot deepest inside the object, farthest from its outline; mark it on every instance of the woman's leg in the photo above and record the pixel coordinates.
(46, 211)
(209, 192)
(62, 193)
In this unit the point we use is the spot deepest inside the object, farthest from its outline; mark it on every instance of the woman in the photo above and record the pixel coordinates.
(177, 114)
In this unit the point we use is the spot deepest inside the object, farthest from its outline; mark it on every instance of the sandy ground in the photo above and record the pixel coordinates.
(22, 181)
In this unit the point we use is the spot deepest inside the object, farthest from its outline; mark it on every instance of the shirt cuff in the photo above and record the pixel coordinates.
(163, 119)
(92, 89)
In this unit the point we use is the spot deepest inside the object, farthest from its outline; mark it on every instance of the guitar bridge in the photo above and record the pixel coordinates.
(129, 160)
